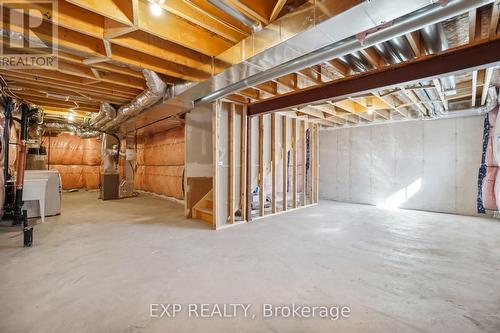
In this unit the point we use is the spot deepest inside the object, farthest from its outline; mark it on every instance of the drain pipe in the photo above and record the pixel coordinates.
(222, 5)
(431, 14)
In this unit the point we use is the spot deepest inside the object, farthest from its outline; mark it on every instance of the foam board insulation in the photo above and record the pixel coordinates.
(424, 165)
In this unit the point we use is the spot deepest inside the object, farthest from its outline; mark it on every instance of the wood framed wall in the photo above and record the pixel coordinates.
(263, 165)
(229, 126)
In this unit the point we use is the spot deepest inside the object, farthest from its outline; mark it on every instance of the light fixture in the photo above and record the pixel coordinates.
(369, 106)
(71, 115)
(155, 7)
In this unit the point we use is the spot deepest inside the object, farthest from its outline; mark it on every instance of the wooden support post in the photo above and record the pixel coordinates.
(316, 163)
(294, 163)
(474, 88)
(262, 195)
(249, 167)
(232, 173)
(312, 135)
(273, 162)
(215, 156)
(243, 163)
(304, 156)
(310, 175)
(285, 160)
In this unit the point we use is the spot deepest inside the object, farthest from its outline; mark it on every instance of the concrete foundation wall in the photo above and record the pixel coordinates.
(424, 165)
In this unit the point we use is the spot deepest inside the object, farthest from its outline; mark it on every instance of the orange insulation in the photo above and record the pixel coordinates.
(160, 163)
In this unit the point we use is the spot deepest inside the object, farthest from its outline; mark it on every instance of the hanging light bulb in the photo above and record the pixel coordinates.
(155, 7)
(71, 115)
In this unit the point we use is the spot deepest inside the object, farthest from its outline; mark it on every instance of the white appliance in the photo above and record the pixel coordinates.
(52, 193)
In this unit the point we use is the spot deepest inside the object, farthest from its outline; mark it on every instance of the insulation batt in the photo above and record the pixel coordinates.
(160, 163)
(496, 156)
(2, 188)
(489, 188)
(78, 160)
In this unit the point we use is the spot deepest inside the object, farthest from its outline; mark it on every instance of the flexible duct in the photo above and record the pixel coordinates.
(99, 116)
(431, 14)
(153, 93)
(255, 26)
(436, 41)
(107, 113)
(78, 131)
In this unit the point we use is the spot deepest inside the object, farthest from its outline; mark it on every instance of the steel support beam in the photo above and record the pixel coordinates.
(452, 62)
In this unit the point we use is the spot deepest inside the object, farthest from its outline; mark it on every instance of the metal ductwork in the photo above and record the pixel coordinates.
(356, 62)
(78, 131)
(436, 41)
(255, 26)
(153, 93)
(395, 50)
(491, 102)
(105, 115)
(97, 117)
(429, 15)
(431, 101)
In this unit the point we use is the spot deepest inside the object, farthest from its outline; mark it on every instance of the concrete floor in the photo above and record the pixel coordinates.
(99, 266)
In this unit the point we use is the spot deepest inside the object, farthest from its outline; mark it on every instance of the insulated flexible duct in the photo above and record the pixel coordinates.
(153, 93)
(80, 132)
(105, 115)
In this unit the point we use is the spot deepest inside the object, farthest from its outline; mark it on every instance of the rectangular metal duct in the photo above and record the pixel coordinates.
(302, 37)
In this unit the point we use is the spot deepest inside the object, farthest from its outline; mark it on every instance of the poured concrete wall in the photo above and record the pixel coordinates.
(424, 165)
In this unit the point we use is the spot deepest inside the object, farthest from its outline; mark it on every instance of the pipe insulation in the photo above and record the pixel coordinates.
(429, 15)
(153, 93)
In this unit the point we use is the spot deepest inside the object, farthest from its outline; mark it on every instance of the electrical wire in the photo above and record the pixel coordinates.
(6, 90)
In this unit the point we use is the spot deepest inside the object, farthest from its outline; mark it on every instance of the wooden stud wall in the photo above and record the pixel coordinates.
(280, 183)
